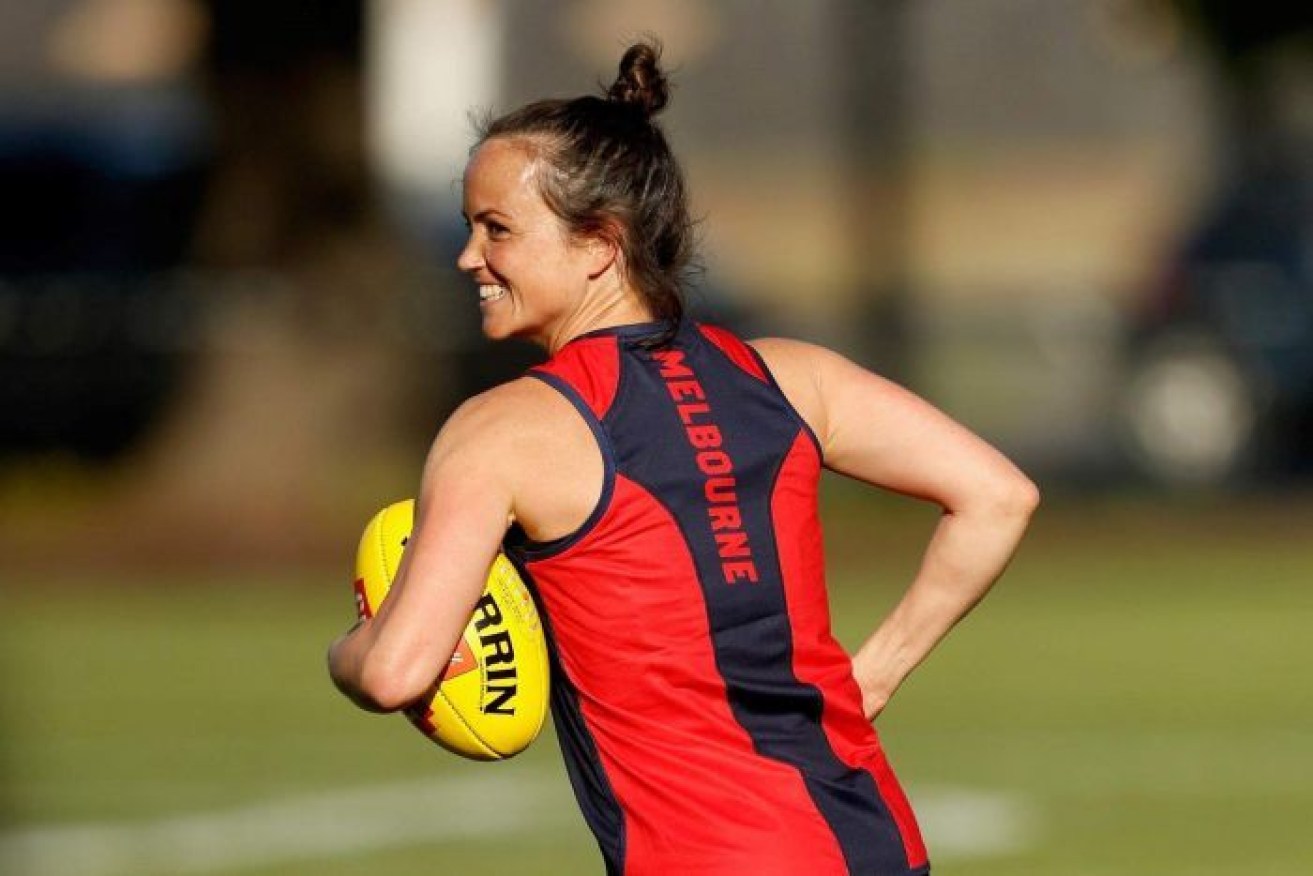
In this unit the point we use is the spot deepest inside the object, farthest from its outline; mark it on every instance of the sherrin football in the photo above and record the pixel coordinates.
(490, 701)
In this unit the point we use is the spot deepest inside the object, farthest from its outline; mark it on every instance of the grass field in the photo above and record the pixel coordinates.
(1136, 697)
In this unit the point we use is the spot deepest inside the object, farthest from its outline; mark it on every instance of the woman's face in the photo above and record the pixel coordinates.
(531, 276)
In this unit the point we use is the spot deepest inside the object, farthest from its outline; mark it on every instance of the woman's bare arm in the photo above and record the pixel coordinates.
(387, 662)
(873, 430)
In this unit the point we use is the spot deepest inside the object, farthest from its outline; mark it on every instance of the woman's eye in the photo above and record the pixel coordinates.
(497, 231)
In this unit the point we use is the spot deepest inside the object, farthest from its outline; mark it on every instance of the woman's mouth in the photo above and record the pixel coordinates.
(489, 292)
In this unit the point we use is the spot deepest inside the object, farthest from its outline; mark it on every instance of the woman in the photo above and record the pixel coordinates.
(656, 481)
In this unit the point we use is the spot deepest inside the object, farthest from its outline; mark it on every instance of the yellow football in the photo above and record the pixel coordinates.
(490, 701)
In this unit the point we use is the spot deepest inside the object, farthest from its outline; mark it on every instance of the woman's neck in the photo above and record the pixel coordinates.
(623, 307)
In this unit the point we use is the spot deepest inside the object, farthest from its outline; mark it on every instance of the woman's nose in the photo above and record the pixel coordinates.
(469, 259)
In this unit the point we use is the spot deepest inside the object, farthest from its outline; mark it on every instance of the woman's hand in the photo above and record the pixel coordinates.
(392, 659)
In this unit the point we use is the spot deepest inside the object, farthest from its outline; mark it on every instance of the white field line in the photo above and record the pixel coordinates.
(304, 828)
(964, 823)
(958, 823)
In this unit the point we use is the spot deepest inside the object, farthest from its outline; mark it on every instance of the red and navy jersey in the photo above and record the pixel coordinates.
(709, 720)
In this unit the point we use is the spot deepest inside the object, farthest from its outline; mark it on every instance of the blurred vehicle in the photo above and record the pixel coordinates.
(102, 194)
(105, 143)
(1219, 382)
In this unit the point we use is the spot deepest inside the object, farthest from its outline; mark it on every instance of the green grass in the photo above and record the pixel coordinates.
(1139, 683)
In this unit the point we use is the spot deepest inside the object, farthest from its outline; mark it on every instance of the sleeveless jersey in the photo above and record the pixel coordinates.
(708, 719)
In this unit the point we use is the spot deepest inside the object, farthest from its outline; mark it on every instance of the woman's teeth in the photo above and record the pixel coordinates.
(491, 293)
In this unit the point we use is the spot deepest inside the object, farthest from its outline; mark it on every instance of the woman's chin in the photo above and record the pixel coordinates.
(494, 324)
(497, 328)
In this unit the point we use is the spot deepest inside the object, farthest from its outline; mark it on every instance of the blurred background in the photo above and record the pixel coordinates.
(230, 324)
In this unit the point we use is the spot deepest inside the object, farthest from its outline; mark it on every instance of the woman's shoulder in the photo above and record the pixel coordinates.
(789, 352)
(805, 366)
(519, 405)
(506, 430)
(522, 439)
(525, 420)
(820, 383)
(794, 365)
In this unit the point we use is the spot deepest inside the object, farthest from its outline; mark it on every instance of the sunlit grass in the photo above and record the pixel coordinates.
(1138, 679)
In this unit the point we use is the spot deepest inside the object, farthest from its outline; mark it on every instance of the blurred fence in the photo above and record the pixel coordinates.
(242, 288)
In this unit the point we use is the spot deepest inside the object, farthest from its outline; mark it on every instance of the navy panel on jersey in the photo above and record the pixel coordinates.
(690, 740)
(749, 618)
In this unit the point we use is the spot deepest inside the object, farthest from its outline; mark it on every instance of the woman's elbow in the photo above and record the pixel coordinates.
(1009, 495)
(1014, 504)
(1022, 496)
(387, 687)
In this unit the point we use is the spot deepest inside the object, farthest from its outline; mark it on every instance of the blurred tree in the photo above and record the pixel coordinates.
(1241, 32)
(285, 83)
(1244, 39)
(873, 41)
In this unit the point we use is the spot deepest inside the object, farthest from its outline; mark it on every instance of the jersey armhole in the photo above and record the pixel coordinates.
(801, 420)
(519, 541)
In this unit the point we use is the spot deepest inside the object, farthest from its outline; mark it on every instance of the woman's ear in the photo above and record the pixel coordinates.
(603, 251)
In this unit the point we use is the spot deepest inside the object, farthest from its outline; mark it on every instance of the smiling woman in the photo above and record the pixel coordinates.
(536, 279)
(655, 483)
(598, 174)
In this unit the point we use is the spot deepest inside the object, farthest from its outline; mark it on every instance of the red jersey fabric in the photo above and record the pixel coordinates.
(709, 721)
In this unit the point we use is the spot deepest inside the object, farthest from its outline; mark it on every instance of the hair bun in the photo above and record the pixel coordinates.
(641, 83)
